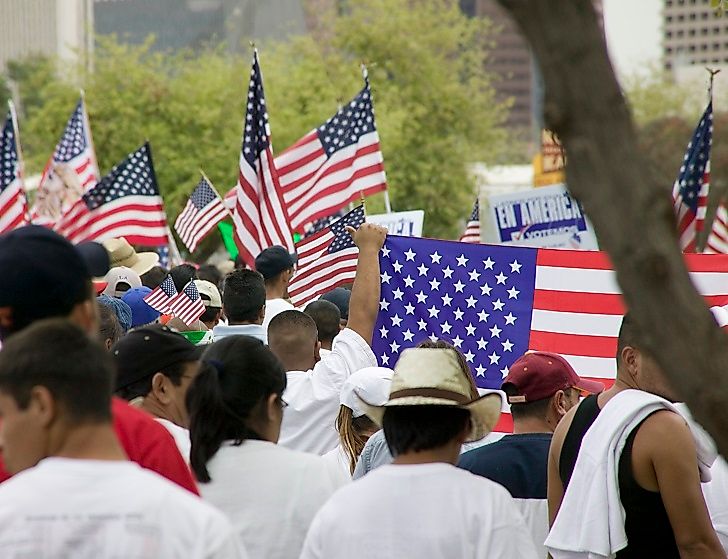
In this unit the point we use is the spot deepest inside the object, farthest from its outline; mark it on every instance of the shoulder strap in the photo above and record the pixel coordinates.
(585, 415)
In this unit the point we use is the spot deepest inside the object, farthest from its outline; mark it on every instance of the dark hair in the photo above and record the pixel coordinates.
(27, 312)
(629, 335)
(182, 275)
(327, 317)
(109, 325)
(523, 410)
(418, 428)
(243, 295)
(210, 312)
(210, 273)
(154, 277)
(58, 355)
(142, 387)
(237, 376)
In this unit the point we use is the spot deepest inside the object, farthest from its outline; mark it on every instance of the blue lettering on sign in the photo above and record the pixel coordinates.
(543, 216)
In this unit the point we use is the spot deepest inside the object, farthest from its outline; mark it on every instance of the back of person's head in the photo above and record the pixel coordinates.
(629, 336)
(57, 375)
(327, 317)
(419, 428)
(243, 297)
(232, 394)
(109, 326)
(293, 337)
(340, 297)
(119, 280)
(44, 276)
(120, 308)
(154, 277)
(210, 273)
(141, 312)
(211, 298)
(182, 275)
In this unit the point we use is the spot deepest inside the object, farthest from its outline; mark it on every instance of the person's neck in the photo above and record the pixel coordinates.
(327, 344)
(91, 442)
(244, 322)
(153, 407)
(276, 291)
(448, 454)
(531, 425)
(620, 384)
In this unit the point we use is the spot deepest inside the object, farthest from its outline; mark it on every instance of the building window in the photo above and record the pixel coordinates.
(691, 32)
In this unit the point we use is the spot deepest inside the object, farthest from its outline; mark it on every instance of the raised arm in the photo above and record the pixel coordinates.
(364, 302)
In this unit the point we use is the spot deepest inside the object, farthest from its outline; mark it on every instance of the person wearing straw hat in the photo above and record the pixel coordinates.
(121, 253)
(421, 505)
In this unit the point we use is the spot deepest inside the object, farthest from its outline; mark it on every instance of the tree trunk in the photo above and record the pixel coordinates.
(631, 212)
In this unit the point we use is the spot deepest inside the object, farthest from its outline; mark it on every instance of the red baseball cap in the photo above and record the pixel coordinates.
(538, 374)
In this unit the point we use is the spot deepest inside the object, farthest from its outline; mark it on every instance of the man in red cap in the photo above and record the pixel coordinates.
(541, 388)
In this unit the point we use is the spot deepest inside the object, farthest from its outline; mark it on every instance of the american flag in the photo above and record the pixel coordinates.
(322, 223)
(125, 203)
(495, 302)
(334, 164)
(204, 210)
(187, 305)
(70, 172)
(259, 214)
(326, 260)
(472, 229)
(718, 238)
(690, 192)
(161, 297)
(12, 195)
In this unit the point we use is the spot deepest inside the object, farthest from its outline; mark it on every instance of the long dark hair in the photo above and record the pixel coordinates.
(238, 374)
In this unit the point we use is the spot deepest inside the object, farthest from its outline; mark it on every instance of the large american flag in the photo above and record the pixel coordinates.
(71, 171)
(472, 228)
(334, 164)
(12, 195)
(259, 214)
(125, 203)
(495, 302)
(204, 210)
(326, 260)
(690, 191)
(718, 238)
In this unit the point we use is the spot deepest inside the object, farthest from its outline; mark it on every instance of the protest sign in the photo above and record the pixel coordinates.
(406, 224)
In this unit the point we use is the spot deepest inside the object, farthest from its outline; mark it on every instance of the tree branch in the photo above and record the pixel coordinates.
(632, 214)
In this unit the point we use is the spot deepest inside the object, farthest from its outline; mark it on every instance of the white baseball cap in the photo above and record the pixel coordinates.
(116, 277)
(372, 383)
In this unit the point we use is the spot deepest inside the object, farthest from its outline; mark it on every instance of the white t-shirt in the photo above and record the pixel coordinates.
(181, 437)
(423, 511)
(269, 493)
(274, 307)
(337, 462)
(221, 331)
(716, 498)
(313, 395)
(65, 508)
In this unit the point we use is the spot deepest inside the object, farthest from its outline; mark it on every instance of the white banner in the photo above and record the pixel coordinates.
(407, 224)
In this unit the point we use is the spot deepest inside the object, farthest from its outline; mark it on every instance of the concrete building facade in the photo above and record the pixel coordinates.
(693, 35)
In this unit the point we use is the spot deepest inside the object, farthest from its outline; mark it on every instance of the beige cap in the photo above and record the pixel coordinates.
(433, 377)
(120, 275)
(121, 253)
(210, 290)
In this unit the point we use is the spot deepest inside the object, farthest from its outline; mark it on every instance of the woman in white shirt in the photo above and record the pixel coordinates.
(270, 493)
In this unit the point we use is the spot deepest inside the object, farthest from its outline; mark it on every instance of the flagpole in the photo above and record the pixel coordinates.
(87, 122)
(19, 149)
(204, 176)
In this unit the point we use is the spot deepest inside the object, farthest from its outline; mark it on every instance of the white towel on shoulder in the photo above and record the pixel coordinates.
(590, 522)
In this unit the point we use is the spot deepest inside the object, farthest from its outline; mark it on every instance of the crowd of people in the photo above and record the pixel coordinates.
(276, 434)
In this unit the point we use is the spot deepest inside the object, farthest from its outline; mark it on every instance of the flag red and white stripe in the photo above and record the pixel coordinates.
(203, 211)
(13, 206)
(259, 214)
(334, 164)
(187, 305)
(162, 296)
(718, 238)
(472, 228)
(326, 260)
(70, 172)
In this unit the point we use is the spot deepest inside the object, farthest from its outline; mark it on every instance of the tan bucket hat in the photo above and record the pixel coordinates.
(121, 253)
(433, 377)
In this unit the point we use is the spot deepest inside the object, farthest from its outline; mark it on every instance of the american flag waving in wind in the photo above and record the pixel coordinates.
(718, 238)
(125, 203)
(472, 228)
(204, 210)
(334, 164)
(12, 196)
(259, 214)
(71, 171)
(690, 192)
(326, 260)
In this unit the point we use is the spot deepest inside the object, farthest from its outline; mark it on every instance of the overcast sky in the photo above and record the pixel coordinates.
(633, 33)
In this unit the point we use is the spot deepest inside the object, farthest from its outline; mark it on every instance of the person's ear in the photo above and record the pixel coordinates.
(560, 403)
(272, 408)
(43, 405)
(317, 352)
(108, 343)
(261, 314)
(6, 319)
(631, 359)
(160, 388)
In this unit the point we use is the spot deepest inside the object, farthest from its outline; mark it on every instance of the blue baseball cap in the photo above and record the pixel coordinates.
(141, 312)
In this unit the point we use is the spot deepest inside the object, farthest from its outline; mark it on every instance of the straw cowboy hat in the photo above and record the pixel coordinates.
(433, 377)
(121, 253)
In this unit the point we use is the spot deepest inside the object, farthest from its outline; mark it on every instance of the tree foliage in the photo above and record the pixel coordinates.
(433, 100)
